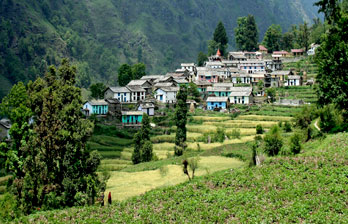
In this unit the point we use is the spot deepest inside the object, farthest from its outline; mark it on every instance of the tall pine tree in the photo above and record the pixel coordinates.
(180, 120)
(246, 33)
(220, 37)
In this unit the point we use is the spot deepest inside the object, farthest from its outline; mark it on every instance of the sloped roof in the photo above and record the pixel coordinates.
(217, 99)
(136, 88)
(294, 77)
(246, 93)
(169, 89)
(137, 82)
(297, 50)
(187, 64)
(164, 84)
(280, 52)
(6, 123)
(262, 48)
(281, 73)
(119, 89)
(148, 77)
(98, 102)
(132, 113)
(223, 84)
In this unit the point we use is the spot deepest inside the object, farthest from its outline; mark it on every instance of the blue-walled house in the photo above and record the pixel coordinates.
(97, 107)
(132, 118)
(217, 102)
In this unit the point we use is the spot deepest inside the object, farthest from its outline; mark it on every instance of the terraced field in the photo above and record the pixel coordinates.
(167, 171)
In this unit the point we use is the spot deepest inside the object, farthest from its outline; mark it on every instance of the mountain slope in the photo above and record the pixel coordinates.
(308, 188)
(100, 35)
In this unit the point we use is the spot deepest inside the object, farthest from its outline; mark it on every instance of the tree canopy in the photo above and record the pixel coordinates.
(246, 33)
(220, 39)
(97, 90)
(181, 120)
(273, 37)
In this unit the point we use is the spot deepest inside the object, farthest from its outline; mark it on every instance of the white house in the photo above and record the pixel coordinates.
(137, 93)
(241, 95)
(97, 107)
(166, 94)
(123, 94)
(141, 83)
(252, 66)
(293, 80)
(148, 108)
(188, 66)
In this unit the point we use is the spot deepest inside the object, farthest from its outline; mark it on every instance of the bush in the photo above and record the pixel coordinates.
(273, 141)
(259, 129)
(287, 126)
(219, 135)
(295, 143)
(235, 134)
(304, 118)
(9, 208)
(330, 118)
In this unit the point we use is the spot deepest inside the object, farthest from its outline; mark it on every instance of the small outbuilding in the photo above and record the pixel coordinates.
(217, 102)
(132, 118)
(97, 107)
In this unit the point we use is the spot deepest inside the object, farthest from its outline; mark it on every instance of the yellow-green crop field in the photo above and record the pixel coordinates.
(123, 185)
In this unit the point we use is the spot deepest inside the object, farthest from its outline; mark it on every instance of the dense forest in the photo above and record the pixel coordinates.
(100, 35)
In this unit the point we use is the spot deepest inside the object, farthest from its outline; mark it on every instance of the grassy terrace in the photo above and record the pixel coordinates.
(308, 188)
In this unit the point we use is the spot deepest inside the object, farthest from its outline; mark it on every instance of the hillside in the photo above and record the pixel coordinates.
(308, 188)
(100, 35)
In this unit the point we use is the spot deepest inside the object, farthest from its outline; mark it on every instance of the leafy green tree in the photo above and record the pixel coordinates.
(271, 94)
(287, 126)
(56, 167)
(181, 119)
(272, 38)
(273, 141)
(332, 58)
(142, 145)
(138, 70)
(213, 46)
(246, 33)
(304, 34)
(193, 92)
(97, 90)
(288, 40)
(202, 58)
(295, 143)
(125, 74)
(259, 129)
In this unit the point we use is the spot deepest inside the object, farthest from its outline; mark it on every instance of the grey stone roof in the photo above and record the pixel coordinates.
(6, 123)
(98, 102)
(132, 113)
(294, 77)
(169, 89)
(164, 84)
(119, 89)
(187, 64)
(203, 83)
(136, 89)
(281, 73)
(137, 82)
(223, 84)
(233, 94)
(217, 99)
(148, 77)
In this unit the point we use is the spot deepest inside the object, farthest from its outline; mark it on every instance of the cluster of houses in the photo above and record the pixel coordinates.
(221, 81)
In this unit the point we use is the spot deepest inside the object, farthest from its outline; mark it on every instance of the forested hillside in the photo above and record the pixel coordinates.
(100, 35)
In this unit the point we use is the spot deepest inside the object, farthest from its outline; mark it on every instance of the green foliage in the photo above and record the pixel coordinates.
(273, 141)
(193, 93)
(220, 37)
(271, 94)
(246, 33)
(259, 129)
(138, 70)
(54, 164)
(219, 135)
(330, 118)
(181, 117)
(304, 118)
(272, 38)
(332, 59)
(97, 90)
(125, 74)
(303, 38)
(201, 59)
(142, 145)
(287, 126)
(295, 143)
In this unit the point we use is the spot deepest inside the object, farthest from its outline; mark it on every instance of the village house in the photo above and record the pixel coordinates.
(281, 53)
(166, 94)
(137, 93)
(263, 49)
(282, 75)
(143, 83)
(217, 57)
(123, 94)
(181, 81)
(271, 81)
(242, 77)
(219, 91)
(97, 107)
(274, 64)
(151, 78)
(250, 55)
(191, 67)
(252, 66)
(236, 56)
(312, 49)
(297, 52)
(214, 64)
(257, 77)
(5, 126)
(132, 118)
(207, 75)
(114, 107)
(241, 95)
(147, 108)
(293, 80)
(203, 85)
(165, 84)
(230, 64)
(217, 103)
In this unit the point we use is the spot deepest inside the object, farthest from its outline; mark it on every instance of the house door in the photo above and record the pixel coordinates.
(161, 97)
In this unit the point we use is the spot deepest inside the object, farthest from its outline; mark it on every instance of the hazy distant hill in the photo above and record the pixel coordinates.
(99, 35)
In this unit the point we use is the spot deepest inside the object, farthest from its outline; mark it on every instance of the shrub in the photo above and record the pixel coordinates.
(259, 129)
(273, 141)
(304, 118)
(235, 133)
(295, 143)
(280, 124)
(219, 135)
(287, 126)
(330, 118)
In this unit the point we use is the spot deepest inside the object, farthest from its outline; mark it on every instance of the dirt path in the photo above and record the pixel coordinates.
(316, 125)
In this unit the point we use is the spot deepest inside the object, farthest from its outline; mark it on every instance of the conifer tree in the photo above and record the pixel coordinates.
(220, 38)
(272, 38)
(180, 120)
(142, 145)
